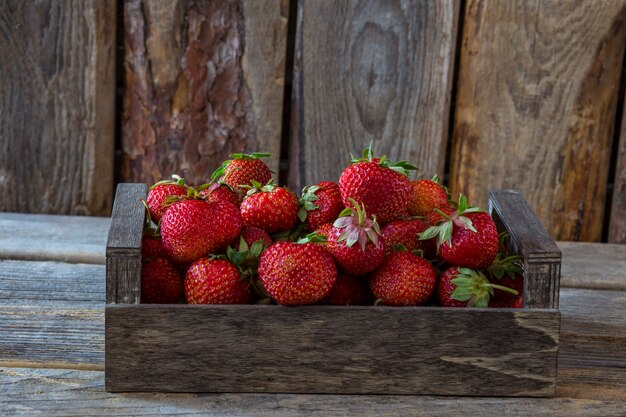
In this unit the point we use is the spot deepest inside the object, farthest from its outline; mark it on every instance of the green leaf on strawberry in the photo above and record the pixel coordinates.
(474, 288)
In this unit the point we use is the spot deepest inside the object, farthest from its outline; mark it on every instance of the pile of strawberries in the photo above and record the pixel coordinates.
(374, 237)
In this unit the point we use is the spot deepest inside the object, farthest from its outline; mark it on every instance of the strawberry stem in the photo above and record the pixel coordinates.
(502, 288)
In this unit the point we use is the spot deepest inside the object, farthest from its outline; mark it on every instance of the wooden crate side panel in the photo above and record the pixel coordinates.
(617, 223)
(123, 253)
(203, 79)
(539, 116)
(368, 71)
(529, 238)
(324, 349)
(57, 106)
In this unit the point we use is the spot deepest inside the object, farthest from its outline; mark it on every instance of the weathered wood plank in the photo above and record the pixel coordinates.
(59, 337)
(617, 222)
(528, 237)
(53, 284)
(539, 117)
(593, 265)
(55, 392)
(381, 350)
(370, 70)
(123, 252)
(56, 238)
(203, 79)
(57, 102)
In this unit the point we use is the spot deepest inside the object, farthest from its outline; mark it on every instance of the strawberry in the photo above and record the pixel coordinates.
(222, 192)
(507, 272)
(160, 282)
(354, 226)
(348, 290)
(406, 233)
(320, 204)
(160, 191)
(297, 273)
(464, 287)
(324, 230)
(152, 247)
(216, 281)
(403, 279)
(427, 195)
(383, 187)
(518, 302)
(467, 238)
(242, 169)
(193, 228)
(250, 235)
(269, 207)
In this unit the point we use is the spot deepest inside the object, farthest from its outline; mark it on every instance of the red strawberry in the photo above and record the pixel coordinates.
(250, 235)
(160, 191)
(320, 204)
(406, 233)
(427, 195)
(507, 272)
(348, 290)
(160, 282)
(271, 208)
(384, 188)
(467, 238)
(296, 274)
(216, 281)
(193, 228)
(222, 192)
(403, 279)
(464, 287)
(242, 169)
(324, 230)
(152, 247)
(354, 226)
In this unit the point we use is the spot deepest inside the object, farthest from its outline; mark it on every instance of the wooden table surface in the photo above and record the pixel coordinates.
(52, 283)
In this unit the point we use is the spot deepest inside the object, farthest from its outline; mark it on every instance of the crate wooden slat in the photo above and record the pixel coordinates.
(326, 349)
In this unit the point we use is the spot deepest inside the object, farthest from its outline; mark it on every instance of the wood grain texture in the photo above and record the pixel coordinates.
(528, 237)
(617, 222)
(368, 70)
(51, 284)
(56, 336)
(592, 354)
(203, 79)
(57, 98)
(54, 392)
(593, 265)
(382, 350)
(123, 252)
(53, 237)
(539, 116)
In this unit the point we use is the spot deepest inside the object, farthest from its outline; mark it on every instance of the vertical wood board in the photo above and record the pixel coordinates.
(57, 104)
(617, 222)
(371, 71)
(535, 108)
(203, 79)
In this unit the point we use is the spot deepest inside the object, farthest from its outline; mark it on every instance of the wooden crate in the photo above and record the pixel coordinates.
(333, 349)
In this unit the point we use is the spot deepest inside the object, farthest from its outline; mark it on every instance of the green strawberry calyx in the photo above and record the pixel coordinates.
(240, 156)
(149, 228)
(257, 187)
(305, 204)
(357, 226)
(312, 237)
(472, 286)
(176, 180)
(401, 167)
(443, 229)
(508, 265)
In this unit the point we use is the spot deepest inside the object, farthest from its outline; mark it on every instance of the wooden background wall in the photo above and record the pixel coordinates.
(492, 93)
